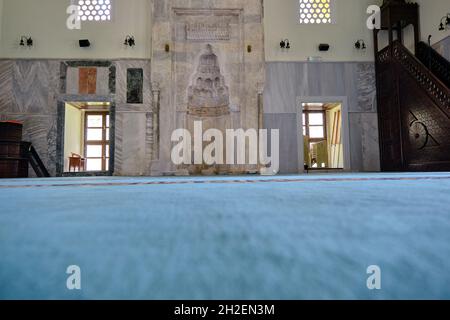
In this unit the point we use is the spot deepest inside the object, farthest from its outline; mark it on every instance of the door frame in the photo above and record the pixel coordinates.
(102, 143)
(61, 115)
(343, 100)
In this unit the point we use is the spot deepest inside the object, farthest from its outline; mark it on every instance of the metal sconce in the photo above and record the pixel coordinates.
(129, 41)
(360, 45)
(445, 23)
(167, 48)
(24, 40)
(285, 44)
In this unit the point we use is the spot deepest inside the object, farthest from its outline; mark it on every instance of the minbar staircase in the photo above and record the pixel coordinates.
(16, 155)
(413, 100)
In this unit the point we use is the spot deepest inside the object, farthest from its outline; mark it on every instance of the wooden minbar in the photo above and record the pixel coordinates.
(13, 152)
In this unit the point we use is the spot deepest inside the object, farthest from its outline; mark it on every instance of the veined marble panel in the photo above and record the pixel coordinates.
(7, 101)
(226, 25)
(285, 81)
(72, 81)
(366, 87)
(364, 147)
(28, 86)
(132, 150)
(30, 91)
(287, 124)
(103, 81)
(370, 142)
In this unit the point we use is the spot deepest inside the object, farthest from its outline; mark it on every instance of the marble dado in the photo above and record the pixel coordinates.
(30, 91)
(287, 81)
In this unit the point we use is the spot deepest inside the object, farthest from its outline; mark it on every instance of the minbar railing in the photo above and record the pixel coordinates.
(434, 62)
(434, 87)
(15, 156)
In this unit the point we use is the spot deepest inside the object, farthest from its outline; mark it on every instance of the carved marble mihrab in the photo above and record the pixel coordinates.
(208, 96)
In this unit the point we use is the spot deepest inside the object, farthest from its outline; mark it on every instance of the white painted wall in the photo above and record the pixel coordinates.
(431, 11)
(281, 21)
(45, 21)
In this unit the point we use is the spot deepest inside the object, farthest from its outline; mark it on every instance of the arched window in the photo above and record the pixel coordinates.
(316, 11)
(95, 10)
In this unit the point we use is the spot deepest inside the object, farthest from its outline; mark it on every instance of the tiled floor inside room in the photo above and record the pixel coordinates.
(284, 237)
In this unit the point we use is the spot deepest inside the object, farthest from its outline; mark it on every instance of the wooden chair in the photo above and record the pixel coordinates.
(77, 163)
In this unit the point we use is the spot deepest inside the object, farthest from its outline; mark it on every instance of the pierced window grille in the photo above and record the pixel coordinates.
(95, 10)
(315, 11)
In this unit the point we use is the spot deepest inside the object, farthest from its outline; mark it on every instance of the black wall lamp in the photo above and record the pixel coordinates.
(24, 40)
(285, 44)
(445, 22)
(360, 45)
(129, 41)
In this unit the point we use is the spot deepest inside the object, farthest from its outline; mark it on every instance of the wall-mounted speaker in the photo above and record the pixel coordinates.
(85, 43)
(324, 47)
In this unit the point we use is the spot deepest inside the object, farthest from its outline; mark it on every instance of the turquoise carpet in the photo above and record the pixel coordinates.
(289, 237)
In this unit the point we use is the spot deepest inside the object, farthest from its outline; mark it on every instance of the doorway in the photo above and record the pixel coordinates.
(323, 135)
(87, 136)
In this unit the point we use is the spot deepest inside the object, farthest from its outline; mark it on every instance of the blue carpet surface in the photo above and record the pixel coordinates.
(288, 237)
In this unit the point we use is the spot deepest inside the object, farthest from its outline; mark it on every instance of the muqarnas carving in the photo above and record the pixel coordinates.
(208, 96)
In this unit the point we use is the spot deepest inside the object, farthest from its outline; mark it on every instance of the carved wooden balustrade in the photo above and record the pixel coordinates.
(435, 88)
(428, 81)
(414, 113)
(435, 62)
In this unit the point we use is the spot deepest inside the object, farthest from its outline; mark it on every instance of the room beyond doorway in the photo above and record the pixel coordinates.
(323, 134)
(87, 136)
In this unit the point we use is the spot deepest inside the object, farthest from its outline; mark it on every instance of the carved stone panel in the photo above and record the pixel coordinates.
(208, 30)
(208, 96)
(207, 75)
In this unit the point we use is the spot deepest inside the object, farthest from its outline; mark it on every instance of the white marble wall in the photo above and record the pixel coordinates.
(29, 93)
(287, 81)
